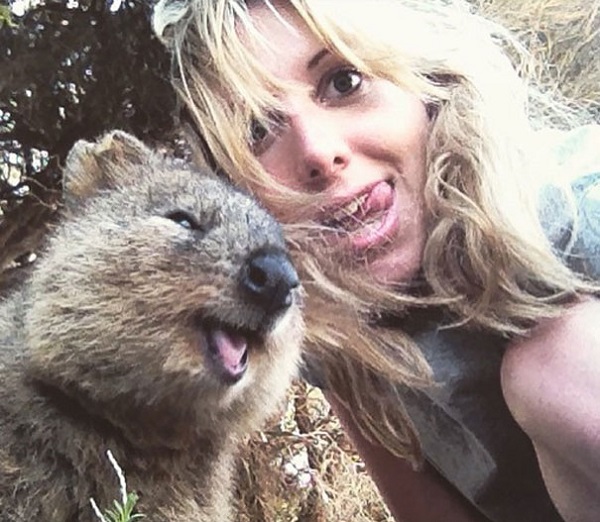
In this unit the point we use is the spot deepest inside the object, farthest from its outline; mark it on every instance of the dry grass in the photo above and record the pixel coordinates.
(564, 37)
(301, 468)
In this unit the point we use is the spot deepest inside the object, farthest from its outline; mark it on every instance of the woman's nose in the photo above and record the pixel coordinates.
(322, 150)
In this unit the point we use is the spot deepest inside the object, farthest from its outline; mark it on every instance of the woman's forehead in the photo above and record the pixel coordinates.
(285, 46)
(277, 21)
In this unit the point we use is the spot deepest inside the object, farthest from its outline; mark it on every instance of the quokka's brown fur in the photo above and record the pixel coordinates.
(122, 340)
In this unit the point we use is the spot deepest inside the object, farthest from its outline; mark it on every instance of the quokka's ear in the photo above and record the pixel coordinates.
(90, 166)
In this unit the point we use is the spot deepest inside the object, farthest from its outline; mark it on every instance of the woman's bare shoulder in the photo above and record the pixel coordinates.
(551, 383)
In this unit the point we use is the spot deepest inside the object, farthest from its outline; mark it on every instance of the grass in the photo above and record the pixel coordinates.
(564, 38)
(123, 510)
(302, 467)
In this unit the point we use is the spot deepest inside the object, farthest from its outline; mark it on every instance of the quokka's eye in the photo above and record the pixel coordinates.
(184, 219)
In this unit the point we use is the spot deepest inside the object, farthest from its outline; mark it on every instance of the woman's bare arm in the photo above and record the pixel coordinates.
(411, 496)
(551, 382)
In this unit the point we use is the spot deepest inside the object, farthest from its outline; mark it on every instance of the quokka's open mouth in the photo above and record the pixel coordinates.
(227, 348)
(229, 351)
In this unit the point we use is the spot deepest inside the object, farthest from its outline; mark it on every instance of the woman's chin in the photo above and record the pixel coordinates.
(395, 267)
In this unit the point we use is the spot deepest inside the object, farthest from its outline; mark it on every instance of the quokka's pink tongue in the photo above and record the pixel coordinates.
(231, 350)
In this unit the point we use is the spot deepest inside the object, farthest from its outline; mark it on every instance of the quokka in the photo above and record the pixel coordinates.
(162, 322)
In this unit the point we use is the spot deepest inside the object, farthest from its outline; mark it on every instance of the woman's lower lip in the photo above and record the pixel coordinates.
(381, 230)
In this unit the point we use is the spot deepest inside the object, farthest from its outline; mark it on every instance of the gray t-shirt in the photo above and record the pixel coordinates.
(466, 430)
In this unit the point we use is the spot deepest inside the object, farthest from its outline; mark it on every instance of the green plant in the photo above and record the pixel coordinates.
(122, 511)
(5, 17)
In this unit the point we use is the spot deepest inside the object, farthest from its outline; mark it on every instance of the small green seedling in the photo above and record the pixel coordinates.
(122, 511)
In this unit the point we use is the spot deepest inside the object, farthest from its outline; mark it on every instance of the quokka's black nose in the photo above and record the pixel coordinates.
(269, 279)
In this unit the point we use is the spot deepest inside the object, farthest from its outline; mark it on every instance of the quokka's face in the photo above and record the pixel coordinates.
(173, 293)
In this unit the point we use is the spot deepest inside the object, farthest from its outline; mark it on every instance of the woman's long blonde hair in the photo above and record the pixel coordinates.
(486, 263)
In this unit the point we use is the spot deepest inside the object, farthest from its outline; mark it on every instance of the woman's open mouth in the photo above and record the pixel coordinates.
(368, 220)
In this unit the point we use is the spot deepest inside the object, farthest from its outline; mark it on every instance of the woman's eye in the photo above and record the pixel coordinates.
(183, 219)
(342, 82)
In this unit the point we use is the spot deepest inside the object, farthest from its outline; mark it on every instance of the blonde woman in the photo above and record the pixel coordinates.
(449, 250)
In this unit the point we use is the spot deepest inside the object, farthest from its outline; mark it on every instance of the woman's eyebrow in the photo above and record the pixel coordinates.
(314, 61)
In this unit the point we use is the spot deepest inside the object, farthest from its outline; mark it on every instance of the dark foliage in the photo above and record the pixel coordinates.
(70, 70)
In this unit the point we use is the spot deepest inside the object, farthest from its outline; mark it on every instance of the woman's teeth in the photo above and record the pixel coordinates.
(348, 211)
(368, 220)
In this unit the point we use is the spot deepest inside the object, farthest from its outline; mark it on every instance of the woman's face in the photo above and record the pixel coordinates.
(358, 140)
